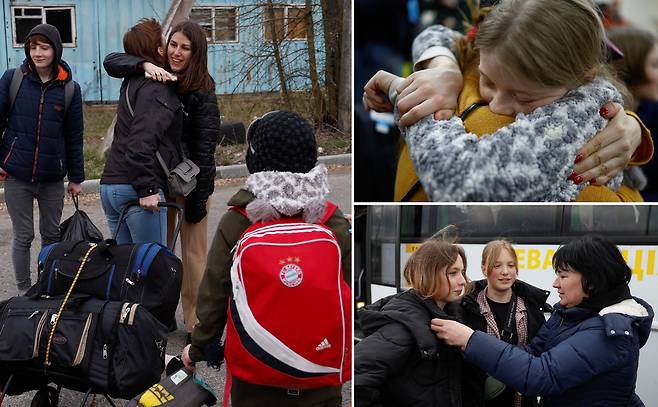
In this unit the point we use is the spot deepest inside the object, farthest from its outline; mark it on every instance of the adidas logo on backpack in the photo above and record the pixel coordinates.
(323, 345)
(289, 322)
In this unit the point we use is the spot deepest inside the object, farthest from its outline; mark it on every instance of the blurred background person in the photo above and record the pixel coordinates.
(639, 70)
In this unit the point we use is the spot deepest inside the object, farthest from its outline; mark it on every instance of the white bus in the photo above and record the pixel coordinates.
(386, 235)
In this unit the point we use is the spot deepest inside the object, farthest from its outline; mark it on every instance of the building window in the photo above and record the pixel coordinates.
(219, 23)
(26, 18)
(289, 23)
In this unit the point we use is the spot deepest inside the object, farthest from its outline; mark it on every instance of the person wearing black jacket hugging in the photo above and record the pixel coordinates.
(149, 120)
(400, 362)
(187, 59)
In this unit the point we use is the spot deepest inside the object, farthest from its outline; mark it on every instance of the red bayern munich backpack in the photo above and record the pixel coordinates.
(289, 322)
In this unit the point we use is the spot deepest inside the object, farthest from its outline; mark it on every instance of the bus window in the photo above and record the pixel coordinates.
(383, 242)
(607, 219)
(653, 221)
(526, 220)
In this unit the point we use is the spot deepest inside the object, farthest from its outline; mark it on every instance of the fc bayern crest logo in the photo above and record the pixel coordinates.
(291, 275)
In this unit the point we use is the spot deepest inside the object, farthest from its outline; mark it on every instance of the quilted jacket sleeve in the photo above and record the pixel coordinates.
(570, 363)
(73, 134)
(375, 359)
(120, 65)
(4, 100)
(200, 133)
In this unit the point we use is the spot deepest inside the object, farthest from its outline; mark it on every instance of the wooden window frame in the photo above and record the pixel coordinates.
(14, 17)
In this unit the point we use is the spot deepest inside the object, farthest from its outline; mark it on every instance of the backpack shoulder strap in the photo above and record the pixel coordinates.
(69, 90)
(130, 106)
(16, 80)
(328, 212)
(239, 209)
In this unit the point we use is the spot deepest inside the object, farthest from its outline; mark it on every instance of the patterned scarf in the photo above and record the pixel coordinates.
(288, 194)
(492, 327)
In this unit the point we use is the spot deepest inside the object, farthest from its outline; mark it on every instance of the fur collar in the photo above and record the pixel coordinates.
(287, 193)
(627, 307)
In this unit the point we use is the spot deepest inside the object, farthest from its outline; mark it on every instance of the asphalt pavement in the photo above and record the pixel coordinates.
(341, 193)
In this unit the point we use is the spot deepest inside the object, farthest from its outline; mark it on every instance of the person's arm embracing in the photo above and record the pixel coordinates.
(201, 138)
(73, 133)
(528, 160)
(120, 65)
(577, 359)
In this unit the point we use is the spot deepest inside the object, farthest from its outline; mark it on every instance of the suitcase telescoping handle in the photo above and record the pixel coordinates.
(162, 204)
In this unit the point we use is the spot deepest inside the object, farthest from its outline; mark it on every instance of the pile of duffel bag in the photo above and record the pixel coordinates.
(148, 274)
(114, 347)
(97, 318)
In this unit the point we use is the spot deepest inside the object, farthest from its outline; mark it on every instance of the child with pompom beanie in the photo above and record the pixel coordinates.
(285, 181)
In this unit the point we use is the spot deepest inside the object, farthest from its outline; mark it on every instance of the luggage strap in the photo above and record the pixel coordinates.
(66, 298)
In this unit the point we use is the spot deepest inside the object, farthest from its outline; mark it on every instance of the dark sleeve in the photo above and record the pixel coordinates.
(154, 114)
(73, 132)
(376, 358)
(202, 135)
(5, 81)
(343, 231)
(121, 65)
(576, 360)
(215, 287)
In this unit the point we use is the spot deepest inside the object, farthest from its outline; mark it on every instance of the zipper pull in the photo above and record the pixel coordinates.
(105, 351)
(124, 315)
(33, 314)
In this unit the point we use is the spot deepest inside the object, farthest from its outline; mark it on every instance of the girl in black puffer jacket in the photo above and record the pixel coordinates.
(400, 362)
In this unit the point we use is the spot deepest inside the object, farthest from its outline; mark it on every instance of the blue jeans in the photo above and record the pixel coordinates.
(139, 225)
(20, 196)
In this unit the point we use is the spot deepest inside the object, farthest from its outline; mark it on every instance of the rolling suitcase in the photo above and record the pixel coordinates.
(148, 273)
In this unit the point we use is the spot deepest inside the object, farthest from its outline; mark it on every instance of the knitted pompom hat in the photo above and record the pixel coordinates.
(281, 141)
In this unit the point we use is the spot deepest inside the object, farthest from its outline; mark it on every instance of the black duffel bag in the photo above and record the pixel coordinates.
(146, 273)
(116, 348)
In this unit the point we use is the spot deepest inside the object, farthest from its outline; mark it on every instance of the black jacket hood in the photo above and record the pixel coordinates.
(52, 35)
(410, 310)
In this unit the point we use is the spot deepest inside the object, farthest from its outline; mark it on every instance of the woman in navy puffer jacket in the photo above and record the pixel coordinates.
(587, 353)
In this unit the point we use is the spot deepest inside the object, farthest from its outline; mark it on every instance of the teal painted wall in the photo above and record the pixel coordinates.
(100, 25)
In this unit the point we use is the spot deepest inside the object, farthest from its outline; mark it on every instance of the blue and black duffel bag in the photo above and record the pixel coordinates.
(148, 274)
